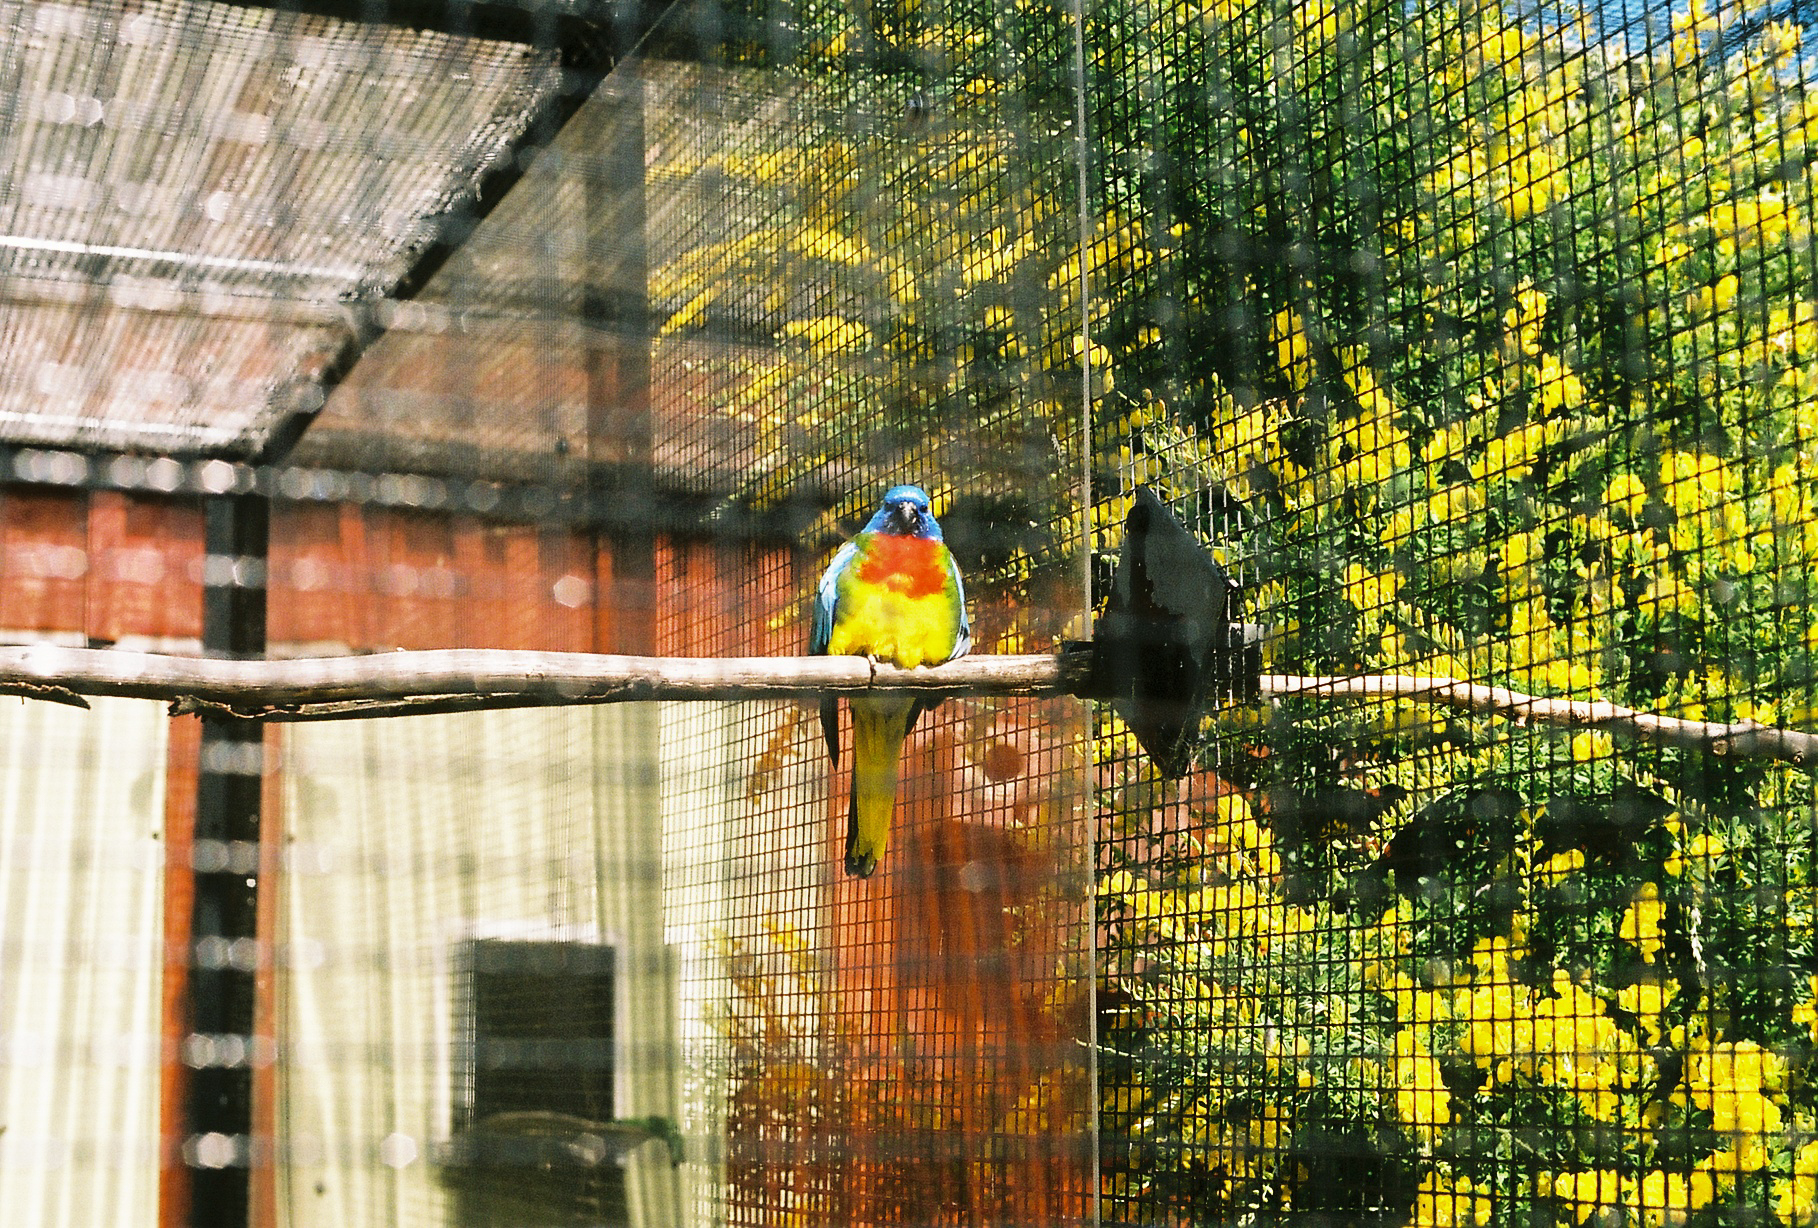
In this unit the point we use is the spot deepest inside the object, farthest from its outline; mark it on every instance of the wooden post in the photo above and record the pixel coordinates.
(218, 1145)
(180, 780)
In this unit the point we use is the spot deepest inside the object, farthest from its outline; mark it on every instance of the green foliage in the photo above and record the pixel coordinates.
(1502, 337)
(1487, 348)
(905, 258)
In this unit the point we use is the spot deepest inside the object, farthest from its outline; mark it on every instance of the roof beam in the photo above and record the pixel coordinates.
(560, 25)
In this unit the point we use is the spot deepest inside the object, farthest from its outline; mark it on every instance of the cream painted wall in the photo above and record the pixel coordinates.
(405, 837)
(81, 884)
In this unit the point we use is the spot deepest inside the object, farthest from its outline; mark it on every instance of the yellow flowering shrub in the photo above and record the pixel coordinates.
(1441, 1203)
(1547, 419)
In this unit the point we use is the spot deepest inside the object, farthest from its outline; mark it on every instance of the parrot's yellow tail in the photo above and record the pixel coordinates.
(878, 729)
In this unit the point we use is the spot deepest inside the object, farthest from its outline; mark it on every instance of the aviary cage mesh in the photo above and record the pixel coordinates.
(346, 328)
(740, 301)
(1477, 342)
(1479, 338)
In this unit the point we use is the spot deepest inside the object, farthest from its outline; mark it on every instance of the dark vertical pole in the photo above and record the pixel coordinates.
(616, 307)
(218, 1143)
(623, 497)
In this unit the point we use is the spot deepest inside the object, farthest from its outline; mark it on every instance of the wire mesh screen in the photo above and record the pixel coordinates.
(1477, 338)
(875, 283)
(1474, 344)
(338, 329)
(635, 415)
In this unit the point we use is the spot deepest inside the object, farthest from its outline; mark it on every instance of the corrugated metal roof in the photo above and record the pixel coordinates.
(177, 177)
(207, 209)
(124, 378)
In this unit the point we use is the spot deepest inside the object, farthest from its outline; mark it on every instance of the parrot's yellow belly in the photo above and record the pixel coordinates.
(892, 626)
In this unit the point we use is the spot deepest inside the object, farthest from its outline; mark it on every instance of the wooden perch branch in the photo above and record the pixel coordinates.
(404, 683)
(1736, 739)
(398, 683)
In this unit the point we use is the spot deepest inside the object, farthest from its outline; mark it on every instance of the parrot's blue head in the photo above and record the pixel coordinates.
(905, 513)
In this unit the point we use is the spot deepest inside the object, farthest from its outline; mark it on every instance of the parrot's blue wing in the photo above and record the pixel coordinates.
(826, 600)
(826, 597)
(962, 644)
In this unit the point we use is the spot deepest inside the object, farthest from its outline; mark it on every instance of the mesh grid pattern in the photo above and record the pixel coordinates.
(866, 298)
(1476, 342)
(1471, 337)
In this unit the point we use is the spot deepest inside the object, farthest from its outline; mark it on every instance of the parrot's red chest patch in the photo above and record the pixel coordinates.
(908, 565)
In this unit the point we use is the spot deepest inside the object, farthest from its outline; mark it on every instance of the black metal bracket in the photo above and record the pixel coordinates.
(1169, 643)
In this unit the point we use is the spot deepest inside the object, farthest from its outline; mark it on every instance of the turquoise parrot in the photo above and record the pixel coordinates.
(892, 593)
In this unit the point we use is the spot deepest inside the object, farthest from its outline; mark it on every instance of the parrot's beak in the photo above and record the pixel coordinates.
(908, 520)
